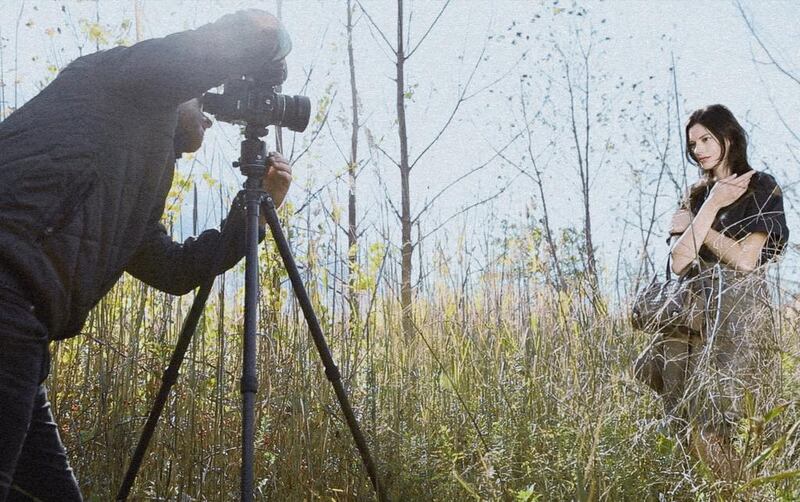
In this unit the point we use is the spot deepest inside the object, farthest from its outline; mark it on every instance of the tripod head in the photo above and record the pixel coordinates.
(253, 155)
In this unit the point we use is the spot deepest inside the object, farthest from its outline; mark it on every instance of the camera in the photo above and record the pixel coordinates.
(254, 102)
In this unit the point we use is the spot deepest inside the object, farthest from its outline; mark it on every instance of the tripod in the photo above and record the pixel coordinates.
(253, 164)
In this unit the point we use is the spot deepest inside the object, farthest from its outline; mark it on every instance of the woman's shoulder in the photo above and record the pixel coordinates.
(764, 183)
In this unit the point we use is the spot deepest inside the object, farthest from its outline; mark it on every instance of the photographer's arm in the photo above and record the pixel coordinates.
(177, 268)
(178, 67)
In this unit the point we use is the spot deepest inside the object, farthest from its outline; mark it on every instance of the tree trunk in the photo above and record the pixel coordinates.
(405, 172)
(138, 16)
(548, 234)
(595, 282)
(585, 172)
(352, 233)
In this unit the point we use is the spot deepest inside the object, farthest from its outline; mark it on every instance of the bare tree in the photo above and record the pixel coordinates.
(138, 17)
(405, 176)
(548, 234)
(401, 55)
(579, 104)
(352, 222)
(683, 184)
(646, 225)
(402, 50)
(530, 163)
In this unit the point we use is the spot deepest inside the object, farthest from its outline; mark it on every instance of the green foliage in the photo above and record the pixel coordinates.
(94, 32)
(323, 104)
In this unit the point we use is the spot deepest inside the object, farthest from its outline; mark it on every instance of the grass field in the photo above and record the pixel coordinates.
(508, 391)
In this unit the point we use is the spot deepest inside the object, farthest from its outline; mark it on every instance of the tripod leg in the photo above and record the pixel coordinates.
(167, 381)
(249, 383)
(331, 370)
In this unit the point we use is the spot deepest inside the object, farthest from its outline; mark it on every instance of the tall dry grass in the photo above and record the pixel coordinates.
(509, 391)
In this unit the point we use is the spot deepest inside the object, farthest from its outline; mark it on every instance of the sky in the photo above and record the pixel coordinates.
(635, 43)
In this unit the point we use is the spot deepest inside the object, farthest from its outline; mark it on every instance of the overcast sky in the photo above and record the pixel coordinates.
(717, 61)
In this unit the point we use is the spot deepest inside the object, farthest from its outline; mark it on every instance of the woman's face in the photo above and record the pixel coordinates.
(704, 146)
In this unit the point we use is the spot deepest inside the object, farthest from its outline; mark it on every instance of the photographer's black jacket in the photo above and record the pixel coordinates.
(86, 166)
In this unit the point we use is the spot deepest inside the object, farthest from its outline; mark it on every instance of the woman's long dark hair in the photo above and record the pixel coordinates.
(723, 126)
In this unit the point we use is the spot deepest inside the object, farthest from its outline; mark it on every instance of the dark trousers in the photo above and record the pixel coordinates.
(33, 462)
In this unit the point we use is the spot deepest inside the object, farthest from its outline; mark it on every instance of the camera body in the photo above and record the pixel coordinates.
(254, 102)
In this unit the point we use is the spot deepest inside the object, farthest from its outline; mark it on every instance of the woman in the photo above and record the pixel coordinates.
(730, 224)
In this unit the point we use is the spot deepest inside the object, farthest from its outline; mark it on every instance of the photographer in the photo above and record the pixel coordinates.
(85, 169)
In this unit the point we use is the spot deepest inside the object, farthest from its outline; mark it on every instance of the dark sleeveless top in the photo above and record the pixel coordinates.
(760, 209)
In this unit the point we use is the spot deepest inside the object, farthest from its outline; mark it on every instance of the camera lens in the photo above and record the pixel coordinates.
(292, 112)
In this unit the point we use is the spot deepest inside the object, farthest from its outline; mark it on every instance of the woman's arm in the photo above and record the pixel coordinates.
(743, 254)
(686, 249)
(724, 193)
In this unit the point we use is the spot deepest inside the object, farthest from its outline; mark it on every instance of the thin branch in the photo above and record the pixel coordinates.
(329, 213)
(468, 208)
(311, 196)
(465, 175)
(16, 54)
(761, 44)
(653, 209)
(384, 152)
(336, 144)
(539, 183)
(315, 134)
(499, 79)
(305, 85)
(374, 25)
(387, 198)
(408, 56)
(678, 120)
(407, 43)
(449, 120)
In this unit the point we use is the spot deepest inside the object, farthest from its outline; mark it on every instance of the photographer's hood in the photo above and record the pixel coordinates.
(284, 46)
(269, 42)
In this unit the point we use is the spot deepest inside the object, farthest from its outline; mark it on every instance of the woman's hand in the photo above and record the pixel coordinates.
(278, 177)
(728, 190)
(681, 221)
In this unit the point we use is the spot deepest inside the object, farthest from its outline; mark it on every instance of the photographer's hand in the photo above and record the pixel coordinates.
(278, 177)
